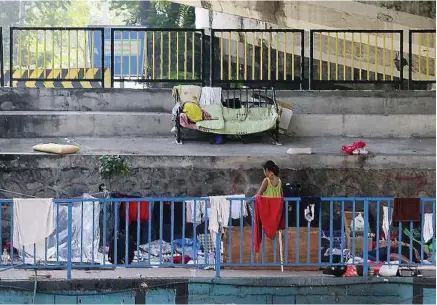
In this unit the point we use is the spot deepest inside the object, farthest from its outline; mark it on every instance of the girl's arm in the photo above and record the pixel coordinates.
(263, 187)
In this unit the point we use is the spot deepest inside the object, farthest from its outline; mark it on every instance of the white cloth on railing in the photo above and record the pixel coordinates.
(219, 215)
(211, 96)
(385, 221)
(428, 231)
(85, 235)
(195, 210)
(237, 206)
(34, 221)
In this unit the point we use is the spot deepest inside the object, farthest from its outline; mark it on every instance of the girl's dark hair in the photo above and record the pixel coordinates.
(271, 166)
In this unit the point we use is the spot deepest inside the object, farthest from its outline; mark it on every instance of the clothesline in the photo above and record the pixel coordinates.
(31, 196)
(17, 193)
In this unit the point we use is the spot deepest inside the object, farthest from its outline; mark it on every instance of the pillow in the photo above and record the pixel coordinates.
(193, 111)
(60, 149)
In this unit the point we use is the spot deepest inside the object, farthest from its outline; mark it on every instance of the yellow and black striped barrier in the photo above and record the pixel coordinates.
(57, 78)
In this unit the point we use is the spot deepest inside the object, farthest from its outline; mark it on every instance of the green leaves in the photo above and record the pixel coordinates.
(156, 13)
(113, 166)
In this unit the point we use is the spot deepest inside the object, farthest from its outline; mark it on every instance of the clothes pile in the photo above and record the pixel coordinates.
(393, 250)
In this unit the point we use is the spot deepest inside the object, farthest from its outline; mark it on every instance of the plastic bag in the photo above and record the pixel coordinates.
(359, 223)
(389, 270)
(351, 271)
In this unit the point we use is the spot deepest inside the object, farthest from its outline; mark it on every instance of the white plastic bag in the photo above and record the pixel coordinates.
(389, 270)
(359, 223)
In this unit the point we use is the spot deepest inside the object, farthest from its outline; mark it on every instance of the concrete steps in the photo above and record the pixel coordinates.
(363, 125)
(29, 124)
(25, 124)
(27, 113)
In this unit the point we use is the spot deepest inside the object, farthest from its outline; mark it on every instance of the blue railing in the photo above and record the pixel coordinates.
(160, 232)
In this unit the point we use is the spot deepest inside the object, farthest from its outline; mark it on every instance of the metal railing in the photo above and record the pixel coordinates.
(338, 59)
(421, 58)
(152, 232)
(56, 54)
(270, 57)
(345, 57)
(170, 55)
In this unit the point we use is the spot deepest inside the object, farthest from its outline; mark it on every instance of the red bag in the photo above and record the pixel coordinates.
(349, 149)
(179, 259)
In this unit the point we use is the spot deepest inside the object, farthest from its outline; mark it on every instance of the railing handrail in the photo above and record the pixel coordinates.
(290, 262)
(181, 199)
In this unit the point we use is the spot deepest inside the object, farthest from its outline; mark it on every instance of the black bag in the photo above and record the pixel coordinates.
(121, 249)
(234, 103)
(291, 190)
(337, 271)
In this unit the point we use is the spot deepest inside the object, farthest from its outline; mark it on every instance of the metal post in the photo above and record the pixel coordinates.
(211, 56)
(202, 57)
(11, 58)
(366, 237)
(217, 254)
(410, 58)
(302, 59)
(401, 53)
(102, 31)
(310, 76)
(70, 232)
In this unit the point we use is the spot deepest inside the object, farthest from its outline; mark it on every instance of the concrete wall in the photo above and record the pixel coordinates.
(229, 291)
(335, 175)
(160, 100)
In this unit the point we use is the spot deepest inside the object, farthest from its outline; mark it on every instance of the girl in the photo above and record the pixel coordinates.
(271, 185)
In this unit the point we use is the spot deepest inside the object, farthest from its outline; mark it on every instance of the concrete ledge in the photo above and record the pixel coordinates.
(360, 102)
(359, 125)
(297, 162)
(159, 167)
(55, 124)
(160, 100)
(24, 124)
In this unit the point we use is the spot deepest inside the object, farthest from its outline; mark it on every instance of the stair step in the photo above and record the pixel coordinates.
(26, 124)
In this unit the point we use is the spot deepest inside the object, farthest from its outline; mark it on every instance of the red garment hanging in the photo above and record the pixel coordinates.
(268, 216)
(133, 211)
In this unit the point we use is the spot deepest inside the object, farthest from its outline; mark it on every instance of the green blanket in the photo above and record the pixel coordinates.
(243, 121)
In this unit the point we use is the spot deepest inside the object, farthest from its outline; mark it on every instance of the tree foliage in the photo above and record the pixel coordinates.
(154, 14)
(40, 14)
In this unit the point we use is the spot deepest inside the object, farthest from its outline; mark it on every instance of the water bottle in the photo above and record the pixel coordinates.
(5, 257)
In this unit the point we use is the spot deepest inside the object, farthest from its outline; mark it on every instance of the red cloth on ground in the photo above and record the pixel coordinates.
(268, 216)
(133, 211)
(350, 149)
